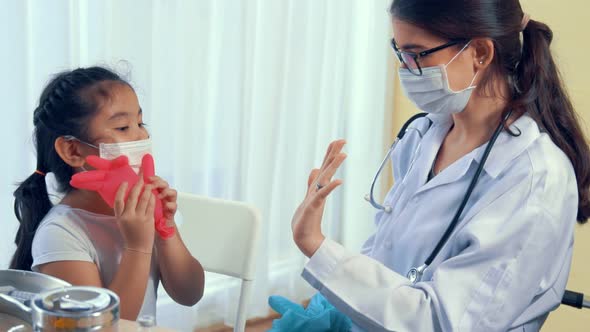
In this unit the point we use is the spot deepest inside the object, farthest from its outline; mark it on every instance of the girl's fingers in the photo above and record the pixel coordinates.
(144, 200)
(131, 203)
(158, 182)
(120, 199)
(168, 194)
(171, 206)
(151, 207)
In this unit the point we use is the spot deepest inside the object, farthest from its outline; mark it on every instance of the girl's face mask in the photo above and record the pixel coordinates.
(134, 150)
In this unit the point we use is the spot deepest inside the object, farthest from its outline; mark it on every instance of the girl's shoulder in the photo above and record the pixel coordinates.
(77, 222)
(63, 235)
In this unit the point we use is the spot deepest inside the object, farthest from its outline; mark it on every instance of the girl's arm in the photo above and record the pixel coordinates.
(129, 283)
(136, 222)
(182, 275)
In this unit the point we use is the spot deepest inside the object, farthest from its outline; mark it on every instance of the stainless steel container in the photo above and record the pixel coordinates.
(17, 288)
(76, 309)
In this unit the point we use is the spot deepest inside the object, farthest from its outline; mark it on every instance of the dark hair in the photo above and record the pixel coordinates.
(66, 105)
(527, 67)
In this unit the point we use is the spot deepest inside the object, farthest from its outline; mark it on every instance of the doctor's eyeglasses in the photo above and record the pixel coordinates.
(412, 60)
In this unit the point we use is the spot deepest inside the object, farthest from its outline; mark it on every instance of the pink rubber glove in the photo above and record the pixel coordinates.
(149, 170)
(108, 177)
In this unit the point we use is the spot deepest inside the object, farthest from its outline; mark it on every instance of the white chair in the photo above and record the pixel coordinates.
(223, 236)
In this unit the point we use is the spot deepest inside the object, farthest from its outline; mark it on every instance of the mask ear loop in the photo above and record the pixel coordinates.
(456, 55)
(73, 138)
(471, 86)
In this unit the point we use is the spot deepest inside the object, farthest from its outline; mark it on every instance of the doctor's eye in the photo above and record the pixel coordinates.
(122, 128)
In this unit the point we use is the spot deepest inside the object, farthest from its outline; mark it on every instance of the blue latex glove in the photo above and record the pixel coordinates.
(319, 316)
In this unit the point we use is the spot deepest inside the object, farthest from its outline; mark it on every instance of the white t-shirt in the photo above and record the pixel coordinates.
(69, 234)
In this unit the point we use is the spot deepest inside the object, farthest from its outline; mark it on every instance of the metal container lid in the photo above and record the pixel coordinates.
(80, 308)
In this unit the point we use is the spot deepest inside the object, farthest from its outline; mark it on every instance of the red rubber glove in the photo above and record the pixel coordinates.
(108, 177)
(149, 170)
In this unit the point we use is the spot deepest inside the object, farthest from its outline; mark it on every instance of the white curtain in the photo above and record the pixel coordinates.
(241, 97)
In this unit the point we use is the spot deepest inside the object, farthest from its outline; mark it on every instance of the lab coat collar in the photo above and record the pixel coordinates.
(441, 124)
(506, 149)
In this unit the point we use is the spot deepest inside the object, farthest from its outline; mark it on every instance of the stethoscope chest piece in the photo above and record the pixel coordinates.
(415, 274)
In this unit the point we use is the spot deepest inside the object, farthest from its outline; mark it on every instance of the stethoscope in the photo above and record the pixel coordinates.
(415, 273)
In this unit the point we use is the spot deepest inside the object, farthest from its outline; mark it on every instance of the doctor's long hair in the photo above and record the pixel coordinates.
(66, 106)
(527, 68)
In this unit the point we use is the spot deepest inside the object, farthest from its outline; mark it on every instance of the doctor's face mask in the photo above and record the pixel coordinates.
(431, 91)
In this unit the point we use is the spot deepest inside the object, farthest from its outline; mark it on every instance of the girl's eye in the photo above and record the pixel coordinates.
(142, 124)
(122, 128)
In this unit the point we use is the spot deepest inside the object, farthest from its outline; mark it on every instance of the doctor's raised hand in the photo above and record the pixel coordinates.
(307, 220)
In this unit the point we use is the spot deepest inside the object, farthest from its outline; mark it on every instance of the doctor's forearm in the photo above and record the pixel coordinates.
(343, 279)
(182, 275)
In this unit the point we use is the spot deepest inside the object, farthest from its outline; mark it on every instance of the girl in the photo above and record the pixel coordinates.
(82, 240)
(484, 72)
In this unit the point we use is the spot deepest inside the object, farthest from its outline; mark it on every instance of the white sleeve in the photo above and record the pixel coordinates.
(58, 242)
(368, 245)
(483, 288)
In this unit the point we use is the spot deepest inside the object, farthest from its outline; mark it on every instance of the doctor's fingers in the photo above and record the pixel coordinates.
(313, 175)
(328, 172)
(326, 190)
(333, 149)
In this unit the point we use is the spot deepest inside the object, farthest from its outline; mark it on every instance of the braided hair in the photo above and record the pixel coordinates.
(65, 107)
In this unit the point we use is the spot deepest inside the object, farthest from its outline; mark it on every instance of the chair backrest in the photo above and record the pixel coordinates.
(221, 234)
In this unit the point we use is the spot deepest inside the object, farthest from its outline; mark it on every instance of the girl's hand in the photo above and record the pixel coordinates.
(307, 220)
(135, 216)
(167, 195)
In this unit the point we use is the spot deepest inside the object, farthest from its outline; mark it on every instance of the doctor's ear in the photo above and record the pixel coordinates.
(483, 49)
(70, 151)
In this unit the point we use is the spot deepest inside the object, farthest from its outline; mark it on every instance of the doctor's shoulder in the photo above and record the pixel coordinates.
(406, 148)
(414, 131)
(544, 178)
(553, 177)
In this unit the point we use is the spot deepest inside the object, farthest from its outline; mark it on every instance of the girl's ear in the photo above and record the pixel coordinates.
(70, 151)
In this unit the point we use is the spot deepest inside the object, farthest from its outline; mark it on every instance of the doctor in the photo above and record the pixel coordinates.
(477, 232)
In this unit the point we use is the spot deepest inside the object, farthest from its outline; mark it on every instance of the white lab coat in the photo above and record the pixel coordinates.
(506, 264)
